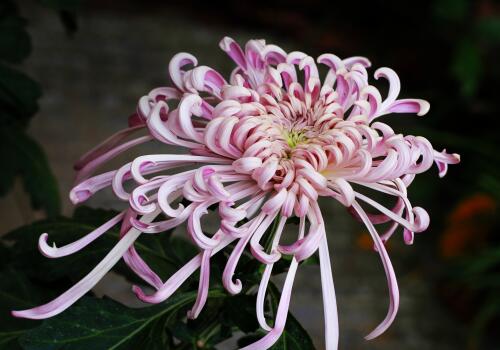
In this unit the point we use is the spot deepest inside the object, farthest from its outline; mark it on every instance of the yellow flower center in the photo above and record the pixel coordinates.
(294, 138)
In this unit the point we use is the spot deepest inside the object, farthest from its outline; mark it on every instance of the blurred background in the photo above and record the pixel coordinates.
(71, 73)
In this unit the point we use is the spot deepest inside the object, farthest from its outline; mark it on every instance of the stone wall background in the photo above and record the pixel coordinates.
(91, 84)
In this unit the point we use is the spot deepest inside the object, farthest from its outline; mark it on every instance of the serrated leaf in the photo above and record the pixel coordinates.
(63, 230)
(26, 158)
(294, 336)
(19, 96)
(244, 318)
(105, 324)
(158, 249)
(5, 254)
(16, 291)
(207, 329)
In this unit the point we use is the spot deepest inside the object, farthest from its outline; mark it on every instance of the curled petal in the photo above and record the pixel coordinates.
(178, 278)
(234, 287)
(288, 74)
(139, 266)
(351, 61)
(303, 248)
(289, 204)
(67, 299)
(389, 270)
(273, 204)
(261, 297)
(165, 225)
(420, 107)
(394, 85)
(105, 146)
(54, 252)
(345, 190)
(234, 51)
(216, 188)
(329, 299)
(257, 249)
(189, 105)
(84, 190)
(175, 68)
(231, 214)
(201, 298)
(160, 130)
(279, 325)
(265, 173)
(247, 165)
(204, 78)
(442, 160)
(422, 219)
(196, 232)
(139, 200)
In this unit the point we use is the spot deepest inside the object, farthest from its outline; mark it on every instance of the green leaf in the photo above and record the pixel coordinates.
(207, 330)
(152, 248)
(466, 66)
(164, 252)
(294, 336)
(245, 318)
(105, 324)
(5, 254)
(312, 260)
(26, 158)
(16, 292)
(19, 96)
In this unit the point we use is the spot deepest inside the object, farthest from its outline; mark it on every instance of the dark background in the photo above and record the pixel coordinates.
(94, 65)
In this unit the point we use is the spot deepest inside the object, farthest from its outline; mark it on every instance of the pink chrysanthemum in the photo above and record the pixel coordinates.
(263, 146)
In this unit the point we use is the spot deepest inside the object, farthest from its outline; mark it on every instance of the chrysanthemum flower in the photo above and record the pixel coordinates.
(262, 146)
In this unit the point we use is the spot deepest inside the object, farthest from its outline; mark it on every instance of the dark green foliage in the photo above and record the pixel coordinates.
(104, 324)
(16, 292)
(294, 337)
(31, 279)
(155, 249)
(25, 158)
(19, 95)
